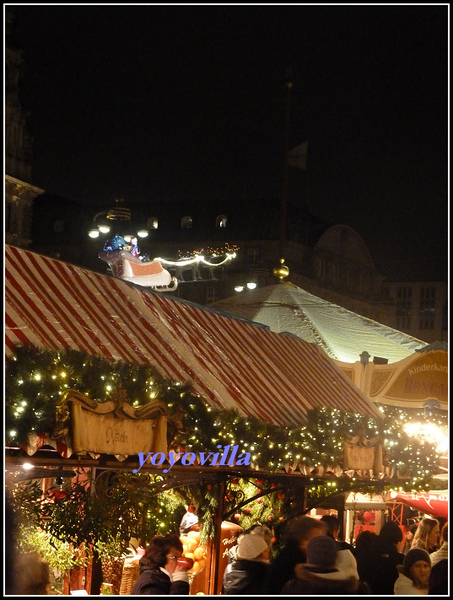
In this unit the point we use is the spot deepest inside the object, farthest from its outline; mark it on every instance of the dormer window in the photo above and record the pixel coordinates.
(186, 222)
(221, 221)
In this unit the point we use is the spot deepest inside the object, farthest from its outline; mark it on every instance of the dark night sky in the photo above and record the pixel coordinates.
(160, 103)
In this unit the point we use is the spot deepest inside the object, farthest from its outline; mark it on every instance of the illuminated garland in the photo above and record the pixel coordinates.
(227, 249)
(35, 381)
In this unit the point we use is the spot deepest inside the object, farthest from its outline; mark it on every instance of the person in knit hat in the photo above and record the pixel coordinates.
(261, 530)
(249, 573)
(320, 575)
(414, 574)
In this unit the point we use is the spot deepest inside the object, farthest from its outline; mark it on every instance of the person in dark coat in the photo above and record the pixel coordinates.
(249, 573)
(299, 532)
(438, 579)
(160, 572)
(363, 552)
(319, 575)
(333, 524)
(385, 557)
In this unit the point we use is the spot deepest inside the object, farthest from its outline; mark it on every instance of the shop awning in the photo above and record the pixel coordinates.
(230, 362)
(434, 503)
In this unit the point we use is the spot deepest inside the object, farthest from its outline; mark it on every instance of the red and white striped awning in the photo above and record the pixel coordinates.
(231, 363)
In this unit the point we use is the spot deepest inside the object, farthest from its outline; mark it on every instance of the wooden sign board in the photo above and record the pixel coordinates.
(116, 429)
(362, 454)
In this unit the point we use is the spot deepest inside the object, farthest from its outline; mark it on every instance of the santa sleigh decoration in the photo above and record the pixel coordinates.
(126, 264)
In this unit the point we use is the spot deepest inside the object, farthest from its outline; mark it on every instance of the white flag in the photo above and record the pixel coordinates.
(297, 157)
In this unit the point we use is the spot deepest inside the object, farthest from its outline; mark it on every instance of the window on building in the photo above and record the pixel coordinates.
(186, 222)
(403, 307)
(211, 294)
(152, 223)
(253, 256)
(427, 307)
(221, 221)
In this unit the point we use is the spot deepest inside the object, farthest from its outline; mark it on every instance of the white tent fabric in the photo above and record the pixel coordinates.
(341, 333)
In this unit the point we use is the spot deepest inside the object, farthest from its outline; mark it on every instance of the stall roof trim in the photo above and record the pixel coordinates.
(231, 363)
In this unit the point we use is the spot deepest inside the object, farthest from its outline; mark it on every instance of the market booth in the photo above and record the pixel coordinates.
(231, 363)
(417, 381)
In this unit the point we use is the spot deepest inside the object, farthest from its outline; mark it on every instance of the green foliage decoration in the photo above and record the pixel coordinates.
(36, 380)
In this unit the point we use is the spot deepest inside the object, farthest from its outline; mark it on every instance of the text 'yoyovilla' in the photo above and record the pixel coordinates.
(211, 459)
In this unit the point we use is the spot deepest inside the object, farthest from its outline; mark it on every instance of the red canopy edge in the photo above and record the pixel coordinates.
(433, 503)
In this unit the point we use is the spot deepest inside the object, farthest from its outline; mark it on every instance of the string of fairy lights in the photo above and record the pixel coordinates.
(35, 381)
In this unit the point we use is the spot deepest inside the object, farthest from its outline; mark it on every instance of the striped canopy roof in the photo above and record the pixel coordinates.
(231, 363)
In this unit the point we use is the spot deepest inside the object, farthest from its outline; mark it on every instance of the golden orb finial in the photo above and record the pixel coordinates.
(282, 271)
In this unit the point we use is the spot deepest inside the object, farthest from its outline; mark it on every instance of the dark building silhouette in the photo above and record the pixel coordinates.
(326, 259)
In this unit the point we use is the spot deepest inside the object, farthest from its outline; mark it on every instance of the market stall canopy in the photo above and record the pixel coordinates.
(434, 503)
(341, 333)
(231, 363)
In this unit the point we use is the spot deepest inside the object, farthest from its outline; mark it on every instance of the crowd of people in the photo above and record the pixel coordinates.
(312, 561)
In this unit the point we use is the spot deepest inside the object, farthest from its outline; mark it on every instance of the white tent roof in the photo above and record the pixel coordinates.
(341, 333)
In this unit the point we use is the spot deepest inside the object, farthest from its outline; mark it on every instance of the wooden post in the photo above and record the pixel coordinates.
(215, 554)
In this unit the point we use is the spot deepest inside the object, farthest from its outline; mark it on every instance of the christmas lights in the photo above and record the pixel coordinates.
(35, 381)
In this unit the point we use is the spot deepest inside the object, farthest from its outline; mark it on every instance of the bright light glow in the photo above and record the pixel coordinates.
(28, 466)
(93, 233)
(142, 233)
(430, 432)
(195, 260)
(104, 228)
(238, 288)
(251, 285)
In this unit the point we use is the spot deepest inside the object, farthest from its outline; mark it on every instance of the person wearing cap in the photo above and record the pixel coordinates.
(346, 560)
(249, 573)
(414, 574)
(320, 575)
(298, 533)
(189, 522)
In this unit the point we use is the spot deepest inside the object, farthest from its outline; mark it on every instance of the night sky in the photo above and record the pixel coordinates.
(161, 103)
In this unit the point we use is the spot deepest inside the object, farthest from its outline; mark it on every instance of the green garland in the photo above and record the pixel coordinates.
(36, 380)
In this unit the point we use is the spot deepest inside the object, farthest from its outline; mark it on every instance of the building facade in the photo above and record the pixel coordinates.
(328, 260)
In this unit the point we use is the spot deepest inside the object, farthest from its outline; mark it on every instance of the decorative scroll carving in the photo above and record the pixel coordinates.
(362, 454)
(114, 427)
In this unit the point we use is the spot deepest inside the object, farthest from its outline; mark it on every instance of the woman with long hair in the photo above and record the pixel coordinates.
(413, 579)
(161, 573)
(427, 535)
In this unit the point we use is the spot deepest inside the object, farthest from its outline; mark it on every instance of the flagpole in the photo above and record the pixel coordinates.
(284, 191)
